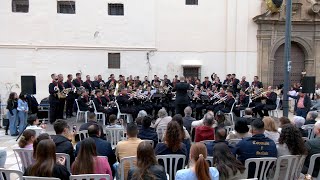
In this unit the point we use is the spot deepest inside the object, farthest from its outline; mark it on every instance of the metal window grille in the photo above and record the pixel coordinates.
(191, 2)
(116, 9)
(66, 7)
(191, 72)
(114, 60)
(20, 6)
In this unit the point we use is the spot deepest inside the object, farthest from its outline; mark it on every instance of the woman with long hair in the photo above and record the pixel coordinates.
(27, 139)
(12, 114)
(93, 164)
(45, 164)
(147, 165)
(199, 167)
(36, 142)
(23, 109)
(270, 129)
(228, 166)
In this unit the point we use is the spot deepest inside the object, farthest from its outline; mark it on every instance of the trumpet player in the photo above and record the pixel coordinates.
(243, 84)
(99, 104)
(268, 101)
(235, 83)
(216, 97)
(226, 103)
(53, 98)
(77, 82)
(206, 83)
(256, 83)
(197, 104)
(88, 84)
(242, 103)
(71, 96)
(62, 101)
(83, 101)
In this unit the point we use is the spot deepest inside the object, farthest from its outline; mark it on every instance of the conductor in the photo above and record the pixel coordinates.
(182, 98)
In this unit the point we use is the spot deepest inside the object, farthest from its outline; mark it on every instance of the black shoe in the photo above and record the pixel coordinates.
(6, 133)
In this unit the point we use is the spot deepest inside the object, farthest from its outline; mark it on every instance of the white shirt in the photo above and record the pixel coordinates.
(38, 130)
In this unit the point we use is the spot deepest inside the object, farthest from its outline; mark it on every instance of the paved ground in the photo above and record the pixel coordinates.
(9, 142)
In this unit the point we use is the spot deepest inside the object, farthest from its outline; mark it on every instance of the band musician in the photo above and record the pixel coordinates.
(266, 102)
(62, 99)
(53, 98)
(71, 96)
(242, 102)
(226, 103)
(197, 103)
(84, 101)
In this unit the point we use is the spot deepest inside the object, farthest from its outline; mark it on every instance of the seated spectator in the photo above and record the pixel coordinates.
(45, 164)
(256, 146)
(3, 157)
(248, 116)
(195, 124)
(313, 147)
(173, 141)
(113, 122)
(241, 130)
(36, 142)
(163, 119)
(311, 117)
(290, 143)
(92, 119)
(142, 113)
(282, 121)
(199, 167)
(128, 147)
(221, 119)
(93, 164)
(187, 119)
(103, 147)
(146, 132)
(220, 134)
(27, 138)
(147, 166)
(270, 129)
(228, 166)
(299, 121)
(62, 139)
(205, 132)
(33, 122)
(139, 122)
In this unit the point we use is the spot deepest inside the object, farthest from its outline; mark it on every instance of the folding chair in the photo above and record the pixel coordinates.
(100, 115)
(160, 132)
(83, 134)
(26, 157)
(6, 174)
(114, 135)
(293, 167)
(90, 177)
(131, 160)
(275, 111)
(230, 114)
(170, 163)
(67, 157)
(127, 117)
(81, 113)
(229, 129)
(262, 166)
(312, 163)
(309, 128)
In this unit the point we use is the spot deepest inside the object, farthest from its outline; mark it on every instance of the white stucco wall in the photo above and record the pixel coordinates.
(218, 35)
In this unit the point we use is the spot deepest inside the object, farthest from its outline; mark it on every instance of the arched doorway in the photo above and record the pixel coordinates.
(297, 64)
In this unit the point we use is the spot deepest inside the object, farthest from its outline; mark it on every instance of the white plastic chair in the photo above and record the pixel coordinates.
(81, 113)
(132, 160)
(168, 160)
(242, 111)
(114, 135)
(83, 134)
(7, 173)
(160, 132)
(275, 111)
(100, 115)
(67, 157)
(230, 114)
(127, 117)
(234, 142)
(309, 128)
(26, 157)
(39, 178)
(292, 169)
(150, 141)
(90, 177)
(229, 129)
(312, 163)
(262, 167)
(210, 160)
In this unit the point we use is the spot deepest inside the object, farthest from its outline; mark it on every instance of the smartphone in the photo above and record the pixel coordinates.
(74, 128)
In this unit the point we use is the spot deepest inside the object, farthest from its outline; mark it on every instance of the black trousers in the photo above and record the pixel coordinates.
(180, 108)
(69, 106)
(62, 103)
(54, 109)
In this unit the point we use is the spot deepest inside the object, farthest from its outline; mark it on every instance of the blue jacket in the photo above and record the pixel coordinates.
(257, 146)
(210, 147)
(148, 134)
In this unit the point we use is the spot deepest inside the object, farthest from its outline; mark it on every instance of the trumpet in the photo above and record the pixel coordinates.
(116, 89)
(221, 100)
(215, 96)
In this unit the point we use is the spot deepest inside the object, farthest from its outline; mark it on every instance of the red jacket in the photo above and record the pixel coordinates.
(204, 133)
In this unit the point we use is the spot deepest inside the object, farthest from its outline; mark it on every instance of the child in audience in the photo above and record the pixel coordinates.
(27, 139)
(33, 122)
(113, 122)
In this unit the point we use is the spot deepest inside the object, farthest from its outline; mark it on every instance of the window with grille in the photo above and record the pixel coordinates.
(66, 7)
(115, 9)
(191, 72)
(114, 60)
(191, 2)
(20, 6)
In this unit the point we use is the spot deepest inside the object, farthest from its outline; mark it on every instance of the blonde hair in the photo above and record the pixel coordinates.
(269, 124)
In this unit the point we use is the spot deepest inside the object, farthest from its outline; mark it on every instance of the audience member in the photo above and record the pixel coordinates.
(205, 132)
(139, 122)
(33, 122)
(302, 105)
(62, 139)
(23, 110)
(220, 135)
(45, 164)
(256, 146)
(199, 167)
(146, 132)
(248, 116)
(12, 113)
(147, 166)
(228, 166)
(270, 129)
(142, 113)
(27, 138)
(311, 117)
(282, 121)
(299, 121)
(313, 147)
(128, 147)
(92, 119)
(221, 119)
(3, 157)
(198, 123)
(187, 119)
(88, 161)
(241, 130)
(113, 122)
(36, 142)
(290, 143)
(163, 119)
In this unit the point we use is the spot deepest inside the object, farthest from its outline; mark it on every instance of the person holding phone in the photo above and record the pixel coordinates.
(33, 123)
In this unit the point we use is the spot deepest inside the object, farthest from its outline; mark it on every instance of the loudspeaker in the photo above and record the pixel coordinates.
(308, 84)
(28, 85)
